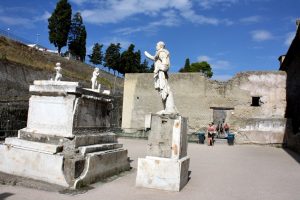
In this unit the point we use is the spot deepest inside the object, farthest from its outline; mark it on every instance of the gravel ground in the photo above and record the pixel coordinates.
(222, 172)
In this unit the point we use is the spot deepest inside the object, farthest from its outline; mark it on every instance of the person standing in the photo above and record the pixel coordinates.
(210, 134)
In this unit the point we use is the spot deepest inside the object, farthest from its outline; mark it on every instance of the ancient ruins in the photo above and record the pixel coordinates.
(66, 140)
(253, 103)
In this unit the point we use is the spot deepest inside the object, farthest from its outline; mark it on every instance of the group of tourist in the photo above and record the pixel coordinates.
(221, 130)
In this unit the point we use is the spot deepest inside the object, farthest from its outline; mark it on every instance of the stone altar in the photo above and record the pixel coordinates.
(66, 140)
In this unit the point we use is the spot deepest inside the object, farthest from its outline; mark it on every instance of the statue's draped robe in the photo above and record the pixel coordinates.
(162, 64)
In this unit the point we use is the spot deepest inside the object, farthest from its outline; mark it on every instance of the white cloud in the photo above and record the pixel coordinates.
(79, 2)
(221, 64)
(12, 21)
(115, 11)
(124, 43)
(251, 19)
(216, 64)
(208, 4)
(170, 19)
(289, 38)
(199, 19)
(46, 15)
(203, 58)
(43, 17)
(261, 35)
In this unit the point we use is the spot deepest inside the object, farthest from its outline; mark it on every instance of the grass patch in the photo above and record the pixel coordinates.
(41, 60)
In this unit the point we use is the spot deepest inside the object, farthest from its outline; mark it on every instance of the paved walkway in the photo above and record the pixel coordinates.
(239, 172)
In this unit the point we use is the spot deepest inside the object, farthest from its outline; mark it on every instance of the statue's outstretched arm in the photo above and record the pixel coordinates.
(149, 56)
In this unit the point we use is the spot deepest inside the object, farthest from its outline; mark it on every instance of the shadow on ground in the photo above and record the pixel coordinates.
(5, 195)
(292, 154)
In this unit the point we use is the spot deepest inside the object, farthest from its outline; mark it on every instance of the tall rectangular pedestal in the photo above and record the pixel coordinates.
(167, 164)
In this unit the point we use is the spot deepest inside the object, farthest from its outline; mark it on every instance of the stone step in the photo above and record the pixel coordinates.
(111, 151)
(99, 147)
(79, 140)
(94, 139)
(33, 146)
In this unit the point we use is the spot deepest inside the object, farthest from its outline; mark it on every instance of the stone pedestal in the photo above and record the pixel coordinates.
(166, 164)
(66, 140)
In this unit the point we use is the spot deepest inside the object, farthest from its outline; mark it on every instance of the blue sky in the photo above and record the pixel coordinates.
(232, 35)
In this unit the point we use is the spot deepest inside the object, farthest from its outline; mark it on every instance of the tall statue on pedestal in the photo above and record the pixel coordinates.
(166, 165)
(161, 66)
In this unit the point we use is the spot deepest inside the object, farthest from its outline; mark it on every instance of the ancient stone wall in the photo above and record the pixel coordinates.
(253, 103)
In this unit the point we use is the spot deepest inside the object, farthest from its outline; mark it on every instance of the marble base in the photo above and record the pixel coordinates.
(43, 162)
(162, 173)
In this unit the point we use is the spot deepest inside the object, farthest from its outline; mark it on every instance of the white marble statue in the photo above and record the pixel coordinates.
(58, 75)
(161, 66)
(94, 79)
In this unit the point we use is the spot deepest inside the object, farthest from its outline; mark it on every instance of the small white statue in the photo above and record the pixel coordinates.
(106, 92)
(58, 72)
(94, 79)
(161, 66)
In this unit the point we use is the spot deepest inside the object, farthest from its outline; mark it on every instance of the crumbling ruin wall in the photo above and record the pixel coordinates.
(197, 97)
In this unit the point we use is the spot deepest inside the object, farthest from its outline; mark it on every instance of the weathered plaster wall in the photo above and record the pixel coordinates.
(196, 96)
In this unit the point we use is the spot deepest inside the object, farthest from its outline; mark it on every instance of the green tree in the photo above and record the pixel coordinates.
(128, 60)
(203, 67)
(131, 61)
(59, 24)
(77, 37)
(97, 56)
(137, 62)
(112, 57)
(187, 63)
(186, 67)
(144, 68)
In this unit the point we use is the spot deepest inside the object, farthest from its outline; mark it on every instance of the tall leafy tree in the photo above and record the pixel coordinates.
(97, 56)
(112, 57)
(130, 60)
(203, 67)
(77, 37)
(59, 24)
